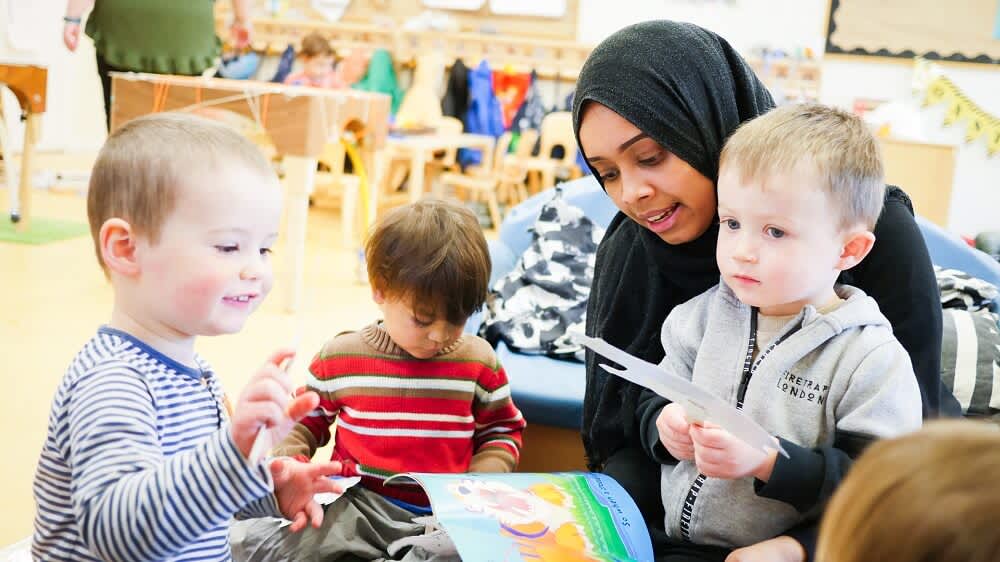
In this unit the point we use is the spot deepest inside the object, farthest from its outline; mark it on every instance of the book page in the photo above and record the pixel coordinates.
(522, 516)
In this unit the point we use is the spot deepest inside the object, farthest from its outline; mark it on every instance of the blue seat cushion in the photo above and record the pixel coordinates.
(547, 391)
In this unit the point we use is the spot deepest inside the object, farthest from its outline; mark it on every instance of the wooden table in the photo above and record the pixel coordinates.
(28, 82)
(419, 149)
(299, 121)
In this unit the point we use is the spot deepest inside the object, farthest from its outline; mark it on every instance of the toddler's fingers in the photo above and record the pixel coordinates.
(266, 413)
(315, 512)
(301, 405)
(327, 468)
(267, 390)
(709, 437)
(325, 485)
(280, 377)
(678, 424)
(299, 523)
(279, 472)
(280, 356)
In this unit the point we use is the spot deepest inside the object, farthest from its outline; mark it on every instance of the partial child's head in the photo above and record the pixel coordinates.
(429, 269)
(183, 212)
(928, 496)
(317, 54)
(800, 189)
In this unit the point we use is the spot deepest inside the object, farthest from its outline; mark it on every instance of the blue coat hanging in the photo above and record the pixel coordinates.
(484, 116)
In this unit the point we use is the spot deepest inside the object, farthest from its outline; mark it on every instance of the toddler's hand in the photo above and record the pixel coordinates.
(718, 454)
(267, 402)
(295, 484)
(778, 549)
(674, 430)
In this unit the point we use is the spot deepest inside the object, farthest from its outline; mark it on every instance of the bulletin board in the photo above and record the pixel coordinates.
(955, 30)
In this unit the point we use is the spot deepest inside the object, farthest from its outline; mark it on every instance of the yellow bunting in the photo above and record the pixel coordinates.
(979, 123)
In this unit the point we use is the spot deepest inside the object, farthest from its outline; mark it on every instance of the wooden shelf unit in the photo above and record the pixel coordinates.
(798, 80)
(553, 59)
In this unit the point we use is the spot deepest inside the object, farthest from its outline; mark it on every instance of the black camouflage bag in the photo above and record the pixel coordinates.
(544, 298)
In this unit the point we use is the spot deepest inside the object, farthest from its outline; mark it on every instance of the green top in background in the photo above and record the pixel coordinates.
(157, 36)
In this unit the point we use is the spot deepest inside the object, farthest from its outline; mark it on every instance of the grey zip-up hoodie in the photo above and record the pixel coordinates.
(829, 375)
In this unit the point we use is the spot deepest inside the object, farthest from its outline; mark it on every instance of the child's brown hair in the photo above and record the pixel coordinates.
(432, 254)
(315, 45)
(142, 164)
(929, 496)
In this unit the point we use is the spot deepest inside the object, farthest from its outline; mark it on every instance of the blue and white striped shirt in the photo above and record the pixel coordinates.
(139, 462)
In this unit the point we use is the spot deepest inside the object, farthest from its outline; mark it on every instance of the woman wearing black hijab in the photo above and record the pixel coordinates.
(654, 104)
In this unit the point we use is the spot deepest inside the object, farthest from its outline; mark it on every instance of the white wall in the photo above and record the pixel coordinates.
(791, 24)
(31, 31)
(975, 203)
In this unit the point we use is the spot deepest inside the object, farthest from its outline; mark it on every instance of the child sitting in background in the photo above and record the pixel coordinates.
(143, 459)
(318, 58)
(929, 496)
(799, 191)
(409, 393)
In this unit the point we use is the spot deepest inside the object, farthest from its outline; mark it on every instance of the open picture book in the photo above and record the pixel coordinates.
(492, 517)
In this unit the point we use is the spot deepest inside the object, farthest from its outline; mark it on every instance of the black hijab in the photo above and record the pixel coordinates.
(687, 89)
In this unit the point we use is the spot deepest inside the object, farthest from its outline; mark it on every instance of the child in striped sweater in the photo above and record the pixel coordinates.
(143, 460)
(409, 393)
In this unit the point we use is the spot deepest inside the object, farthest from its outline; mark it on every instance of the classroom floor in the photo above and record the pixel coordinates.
(54, 297)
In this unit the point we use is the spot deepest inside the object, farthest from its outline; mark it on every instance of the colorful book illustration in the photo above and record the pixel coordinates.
(536, 517)
(700, 404)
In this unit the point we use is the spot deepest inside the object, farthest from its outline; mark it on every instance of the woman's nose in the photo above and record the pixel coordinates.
(635, 189)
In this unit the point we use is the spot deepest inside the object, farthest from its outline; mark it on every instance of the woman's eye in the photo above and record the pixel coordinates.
(775, 232)
(227, 248)
(608, 176)
(650, 161)
(266, 251)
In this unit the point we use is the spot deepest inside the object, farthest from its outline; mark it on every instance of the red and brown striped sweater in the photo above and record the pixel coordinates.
(396, 413)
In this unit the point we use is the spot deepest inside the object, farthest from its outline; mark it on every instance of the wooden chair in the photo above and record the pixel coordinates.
(5, 158)
(333, 185)
(515, 162)
(557, 131)
(499, 180)
(444, 160)
(399, 167)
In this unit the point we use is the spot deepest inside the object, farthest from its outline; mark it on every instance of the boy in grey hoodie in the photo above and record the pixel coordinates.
(815, 363)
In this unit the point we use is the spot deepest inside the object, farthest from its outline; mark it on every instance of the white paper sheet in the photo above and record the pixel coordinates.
(700, 404)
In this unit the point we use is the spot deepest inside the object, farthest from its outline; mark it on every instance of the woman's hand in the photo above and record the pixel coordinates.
(71, 35)
(240, 34)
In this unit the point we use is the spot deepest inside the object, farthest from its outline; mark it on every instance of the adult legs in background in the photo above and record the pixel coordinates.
(104, 70)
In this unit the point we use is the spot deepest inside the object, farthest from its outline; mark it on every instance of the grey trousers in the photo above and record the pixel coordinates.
(360, 525)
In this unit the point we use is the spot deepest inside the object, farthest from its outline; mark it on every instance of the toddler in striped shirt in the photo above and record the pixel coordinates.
(143, 459)
(408, 393)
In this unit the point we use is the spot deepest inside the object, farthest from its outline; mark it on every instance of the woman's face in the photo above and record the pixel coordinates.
(647, 182)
